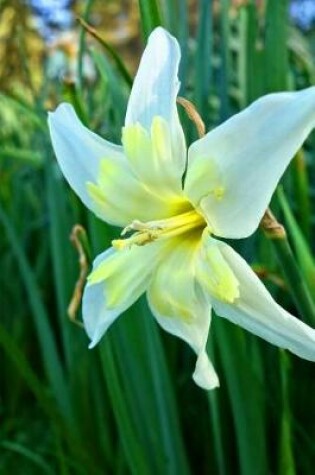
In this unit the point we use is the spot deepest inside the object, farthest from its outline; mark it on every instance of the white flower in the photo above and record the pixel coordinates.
(172, 252)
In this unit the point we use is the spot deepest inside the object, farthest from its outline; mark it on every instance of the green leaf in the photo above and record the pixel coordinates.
(276, 51)
(49, 352)
(303, 252)
(150, 16)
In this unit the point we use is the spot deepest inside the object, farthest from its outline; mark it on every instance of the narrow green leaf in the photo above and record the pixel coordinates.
(286, 464)
(62, 255)
(293, 276)
(111, 51)
(301, 247)
(246, 398)
(86, 13)
(58, 421)
(127, 427)
(150, 16)
(225, 61)
(250, 63)
(29, 110)
(302, 191)
(204, 53)
(29, 455)
(276, 51)
(49, 352)
(29, 157)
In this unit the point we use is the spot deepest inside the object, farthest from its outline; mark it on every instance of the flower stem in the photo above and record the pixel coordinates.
(276, 233)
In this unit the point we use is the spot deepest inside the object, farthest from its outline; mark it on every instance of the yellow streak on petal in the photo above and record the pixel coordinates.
(172, 288)
(136, 142)
(104, 270)
(151, 156)
(161, 139)
(217, 276)
(95, 193)
(124, 273)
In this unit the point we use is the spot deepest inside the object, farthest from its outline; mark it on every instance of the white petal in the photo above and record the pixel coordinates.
(100, 174)
(117, 280)
(155, 90)
(78, 150)
(150, 155)
(256, 311)
(205, 375)
(233, 170)
(180, 307)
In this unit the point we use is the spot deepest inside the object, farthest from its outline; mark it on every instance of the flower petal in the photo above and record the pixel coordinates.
(180, 307)
(100, 174)
(117, 280)
(256, 311)
(213, 272)
(150, 155)
(154, 95)
(233, 170)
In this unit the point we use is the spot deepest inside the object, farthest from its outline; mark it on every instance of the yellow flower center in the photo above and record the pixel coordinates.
(145, 233)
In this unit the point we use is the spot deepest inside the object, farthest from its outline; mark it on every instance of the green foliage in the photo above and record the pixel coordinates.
(130, 406)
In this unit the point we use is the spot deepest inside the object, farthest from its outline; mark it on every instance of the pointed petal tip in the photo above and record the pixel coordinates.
(256, 311)
(160, 31)
(204, 374)
(93, 344)
(95, 337)
(249, 170)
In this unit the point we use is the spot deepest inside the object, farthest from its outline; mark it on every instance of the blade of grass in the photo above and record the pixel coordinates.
(295, 280)
(301, 192)
(29, 455)
(110, 50)
(49, 352)
(86, 13)
(60, 224)
(46, 401)
(31, 157)
(246, 398)
(301, 247)
(250, 64)
(183, 37)
(286, 456)
(150, 16)
(133, 450)
(117, 96)
(215, 402)
(276, 51)
(203, 70)
(225, 67)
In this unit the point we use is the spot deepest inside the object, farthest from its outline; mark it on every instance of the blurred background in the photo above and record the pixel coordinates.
(130, 405)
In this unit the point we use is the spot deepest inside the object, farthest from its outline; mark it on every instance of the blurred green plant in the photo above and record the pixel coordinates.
(130, 406)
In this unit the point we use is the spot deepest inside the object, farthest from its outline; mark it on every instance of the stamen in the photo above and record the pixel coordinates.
(160, 229)
(139, 239)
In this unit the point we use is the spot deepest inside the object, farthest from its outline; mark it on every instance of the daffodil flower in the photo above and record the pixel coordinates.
(173, 205)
